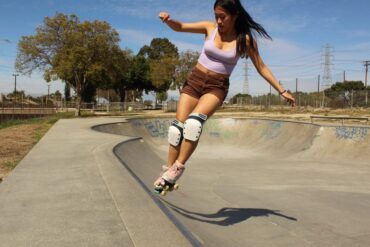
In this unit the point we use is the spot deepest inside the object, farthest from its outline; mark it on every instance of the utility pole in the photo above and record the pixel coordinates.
(47, 100)
(318, 91)
(280, 97)
(270, 96)
(296, 92)
(344, 76)
(296, 85)
(366, 64)
(15, 87)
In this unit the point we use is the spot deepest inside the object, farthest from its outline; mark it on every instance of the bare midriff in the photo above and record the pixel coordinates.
(210, 72)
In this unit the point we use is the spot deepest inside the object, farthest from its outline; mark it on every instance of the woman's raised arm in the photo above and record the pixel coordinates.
(202, 27)
(266, 73)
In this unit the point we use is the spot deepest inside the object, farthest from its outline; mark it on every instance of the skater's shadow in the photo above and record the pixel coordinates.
(227, 216)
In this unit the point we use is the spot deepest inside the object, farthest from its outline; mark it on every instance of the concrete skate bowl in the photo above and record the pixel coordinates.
(258, 182)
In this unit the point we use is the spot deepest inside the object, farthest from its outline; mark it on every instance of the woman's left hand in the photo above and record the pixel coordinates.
(289, 98)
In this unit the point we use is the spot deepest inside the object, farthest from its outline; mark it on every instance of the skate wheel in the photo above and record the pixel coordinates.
(164, 192)
(176, 186)
(166, 187)
(156, 192)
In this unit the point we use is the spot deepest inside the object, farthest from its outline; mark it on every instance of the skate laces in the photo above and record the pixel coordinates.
(174, 172)
(177, 169)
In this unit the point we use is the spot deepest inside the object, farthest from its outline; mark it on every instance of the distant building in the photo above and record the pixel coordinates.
(101, 100)
(3, 98)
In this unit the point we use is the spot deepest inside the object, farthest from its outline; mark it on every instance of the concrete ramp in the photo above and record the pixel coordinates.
(261, 182)
(261, 137)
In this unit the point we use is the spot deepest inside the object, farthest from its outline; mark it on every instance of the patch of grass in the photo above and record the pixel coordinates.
(10, 165)
(49, 119)
(41, 131)
(42, 125)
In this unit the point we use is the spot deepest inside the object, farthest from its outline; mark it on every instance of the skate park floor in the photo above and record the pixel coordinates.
(251, 182)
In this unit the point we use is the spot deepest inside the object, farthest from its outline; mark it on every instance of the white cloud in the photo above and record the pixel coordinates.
(136, 37)
(357, 33)
(285, 25)
(286, 59)
(4, 62)
(147, 9)
(184, 46)
(141, 38)
(34, 85)
(280, 48)
(4, 41)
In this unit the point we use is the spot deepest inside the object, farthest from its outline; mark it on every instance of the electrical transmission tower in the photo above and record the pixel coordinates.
(327, 79)
(246, 78)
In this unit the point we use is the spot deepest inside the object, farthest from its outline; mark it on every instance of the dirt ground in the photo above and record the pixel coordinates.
(16, 142)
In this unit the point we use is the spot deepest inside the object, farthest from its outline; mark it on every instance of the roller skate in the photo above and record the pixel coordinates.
(167, 181)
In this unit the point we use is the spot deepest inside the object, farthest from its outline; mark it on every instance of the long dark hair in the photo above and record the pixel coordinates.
(244, 25)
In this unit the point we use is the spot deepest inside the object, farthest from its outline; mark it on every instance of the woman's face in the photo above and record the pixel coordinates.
(224, 20)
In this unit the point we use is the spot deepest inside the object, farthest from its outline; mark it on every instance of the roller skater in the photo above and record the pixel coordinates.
(230, 37)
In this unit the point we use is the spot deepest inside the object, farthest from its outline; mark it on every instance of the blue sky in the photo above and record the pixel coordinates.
(300, 29)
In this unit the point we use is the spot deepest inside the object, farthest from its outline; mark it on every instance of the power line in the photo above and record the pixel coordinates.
(294, 66)
(357, 70)
(354, 50)
(303, 57)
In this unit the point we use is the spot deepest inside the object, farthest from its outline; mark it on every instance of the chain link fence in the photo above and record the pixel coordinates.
(10, 111)
(333, 99)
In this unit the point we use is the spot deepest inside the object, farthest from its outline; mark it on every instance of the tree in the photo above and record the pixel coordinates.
(184, 65)
(120, 72)
(58, 93)
(162, 57)
(67, 49)
(340, 93)
(162, 73)
(240, 98)
(139, 75)
(347, 86)
(159, 48)
(17, 94)
(67, 92)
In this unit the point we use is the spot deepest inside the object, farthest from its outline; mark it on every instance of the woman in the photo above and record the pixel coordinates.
(227, 40)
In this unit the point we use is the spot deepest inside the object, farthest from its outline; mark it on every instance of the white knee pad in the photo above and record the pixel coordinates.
(175, 134)
(193, 126)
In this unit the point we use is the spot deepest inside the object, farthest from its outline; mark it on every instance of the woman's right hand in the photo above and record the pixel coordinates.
(164, 16)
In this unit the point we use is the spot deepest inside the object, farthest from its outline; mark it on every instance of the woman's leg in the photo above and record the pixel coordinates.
(186, 105)
(207, 105)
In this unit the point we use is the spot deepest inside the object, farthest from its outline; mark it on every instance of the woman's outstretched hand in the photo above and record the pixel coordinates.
(289, 98)
(164, 16)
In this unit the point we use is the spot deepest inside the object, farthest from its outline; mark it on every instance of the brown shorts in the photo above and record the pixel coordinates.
(199, 83)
